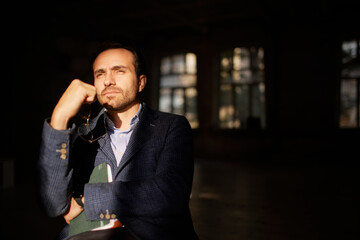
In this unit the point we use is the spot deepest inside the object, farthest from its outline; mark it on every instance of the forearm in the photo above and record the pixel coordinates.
(54, 172)
(165, 194)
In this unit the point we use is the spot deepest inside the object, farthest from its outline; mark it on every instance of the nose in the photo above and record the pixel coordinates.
(109, 79)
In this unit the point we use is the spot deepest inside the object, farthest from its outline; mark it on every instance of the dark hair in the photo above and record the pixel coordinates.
(139, 61)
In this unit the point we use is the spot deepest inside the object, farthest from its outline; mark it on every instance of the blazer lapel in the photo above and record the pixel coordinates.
(105, 147)
(99, 129)
(142, 133)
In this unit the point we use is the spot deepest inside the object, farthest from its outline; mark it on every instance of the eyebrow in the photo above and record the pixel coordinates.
(117, 67)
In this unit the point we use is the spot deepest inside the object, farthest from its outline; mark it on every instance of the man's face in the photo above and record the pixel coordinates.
(115, 79)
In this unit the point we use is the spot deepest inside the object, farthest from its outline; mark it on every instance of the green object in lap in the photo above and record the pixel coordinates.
(80, 223)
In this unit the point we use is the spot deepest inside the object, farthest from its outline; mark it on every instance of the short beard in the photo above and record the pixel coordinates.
(120, 105)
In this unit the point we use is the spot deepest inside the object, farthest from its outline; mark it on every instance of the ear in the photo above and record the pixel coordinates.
(142, 82)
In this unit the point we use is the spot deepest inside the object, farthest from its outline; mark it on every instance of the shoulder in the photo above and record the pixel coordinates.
(164, 117)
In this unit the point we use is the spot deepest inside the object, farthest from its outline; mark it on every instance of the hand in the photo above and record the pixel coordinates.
(74, 210)
(76, 94)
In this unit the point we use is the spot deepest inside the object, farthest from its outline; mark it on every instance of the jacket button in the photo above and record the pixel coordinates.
(63, 151)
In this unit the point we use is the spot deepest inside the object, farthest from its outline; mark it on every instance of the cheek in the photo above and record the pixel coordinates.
(97, 86)
(98, 92)
(127, 85)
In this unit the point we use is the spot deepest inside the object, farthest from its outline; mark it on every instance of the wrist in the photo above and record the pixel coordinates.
(80, 201)
(58, 121)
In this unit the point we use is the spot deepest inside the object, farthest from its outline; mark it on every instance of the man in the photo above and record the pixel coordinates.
(148, 156)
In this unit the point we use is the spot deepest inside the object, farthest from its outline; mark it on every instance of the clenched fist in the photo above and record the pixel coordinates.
(77, 94)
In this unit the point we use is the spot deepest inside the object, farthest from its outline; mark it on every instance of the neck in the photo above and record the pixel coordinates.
(121, 119)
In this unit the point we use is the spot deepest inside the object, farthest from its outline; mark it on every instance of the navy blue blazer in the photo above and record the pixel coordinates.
(151, 187)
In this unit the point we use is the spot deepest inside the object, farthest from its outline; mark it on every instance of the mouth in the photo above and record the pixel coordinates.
(110, 93)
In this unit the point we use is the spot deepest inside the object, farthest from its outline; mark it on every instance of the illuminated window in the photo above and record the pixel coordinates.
(350, 85)
(178, 93)
(242, 88)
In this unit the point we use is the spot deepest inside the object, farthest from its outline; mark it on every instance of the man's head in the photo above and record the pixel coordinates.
(139, 61)
(119, 77)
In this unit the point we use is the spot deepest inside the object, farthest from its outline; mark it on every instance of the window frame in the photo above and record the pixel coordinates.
(234, 85)
(182, 88)
(346, 78)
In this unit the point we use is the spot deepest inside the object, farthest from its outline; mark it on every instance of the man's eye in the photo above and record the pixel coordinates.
(99, 75)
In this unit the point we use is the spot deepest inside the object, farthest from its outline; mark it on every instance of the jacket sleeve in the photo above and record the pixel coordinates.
(166, 193)
(53, 170)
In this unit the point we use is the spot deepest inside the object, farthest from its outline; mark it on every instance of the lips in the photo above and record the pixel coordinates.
(110, 91)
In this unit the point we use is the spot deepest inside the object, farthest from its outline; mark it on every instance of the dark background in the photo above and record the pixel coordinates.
(50, 43)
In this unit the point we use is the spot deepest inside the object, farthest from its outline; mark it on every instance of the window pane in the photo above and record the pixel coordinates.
(241, 59)
(178, 101)
(225, 77)
(178, 82)
(165, 67)
(348, 104)
(165, 100)
(351, 69)
(349, 49)
(178, 65)
(242, 105)
(191, 107)
(257, 76)
(226, 61)
(226, 111)
(257, 56)
(242, 89)
(351, 65)
(258, 105)
(244, 76)
(191, 63)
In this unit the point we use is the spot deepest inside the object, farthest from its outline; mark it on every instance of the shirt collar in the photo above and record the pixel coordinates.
(111, 127)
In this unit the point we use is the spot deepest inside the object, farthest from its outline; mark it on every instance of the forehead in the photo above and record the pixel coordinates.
(111, 57)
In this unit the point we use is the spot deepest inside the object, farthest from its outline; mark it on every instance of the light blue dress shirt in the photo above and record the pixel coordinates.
(120, 139)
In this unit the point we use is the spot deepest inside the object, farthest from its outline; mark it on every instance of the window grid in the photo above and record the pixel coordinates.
(242, 89)
(350, 85)
(178, 93)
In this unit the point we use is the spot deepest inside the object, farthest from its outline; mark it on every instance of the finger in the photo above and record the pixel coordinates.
(90, 93)
(90, 99)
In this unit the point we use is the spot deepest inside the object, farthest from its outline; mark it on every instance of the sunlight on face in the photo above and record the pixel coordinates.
(115, 79)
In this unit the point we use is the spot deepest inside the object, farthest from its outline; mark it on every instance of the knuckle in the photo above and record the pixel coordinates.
(76, 82)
